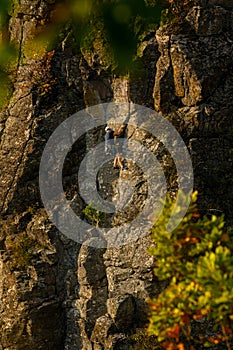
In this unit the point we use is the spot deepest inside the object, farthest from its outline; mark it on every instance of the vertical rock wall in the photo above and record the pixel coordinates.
(193, 86)
(38, 266)
(54, 293)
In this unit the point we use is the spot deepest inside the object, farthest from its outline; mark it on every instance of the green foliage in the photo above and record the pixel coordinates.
(95, 40)
(113, 29)
(4, 12)
(196, 260)
(109, 27)
(96, 216)
(7, 56)
(122, 20)
(20, 247)
(6, 90)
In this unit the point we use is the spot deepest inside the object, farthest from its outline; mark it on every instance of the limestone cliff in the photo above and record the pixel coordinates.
(56, 294)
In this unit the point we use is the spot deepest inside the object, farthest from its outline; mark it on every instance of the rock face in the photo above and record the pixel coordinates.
(193, 86)
(56, 294)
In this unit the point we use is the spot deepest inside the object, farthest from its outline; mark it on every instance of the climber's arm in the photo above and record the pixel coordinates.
(120, 130)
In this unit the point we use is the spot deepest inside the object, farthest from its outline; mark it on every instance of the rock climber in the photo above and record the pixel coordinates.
(115, 148)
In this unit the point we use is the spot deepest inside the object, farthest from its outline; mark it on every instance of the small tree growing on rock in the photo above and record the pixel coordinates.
(96, 216)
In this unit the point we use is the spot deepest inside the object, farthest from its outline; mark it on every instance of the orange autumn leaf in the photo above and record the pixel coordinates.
(174, 332)
(169, 346)
(195, 215)
(180, 346)
(213, 340)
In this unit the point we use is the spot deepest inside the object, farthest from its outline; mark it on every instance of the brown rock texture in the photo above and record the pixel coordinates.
(56, 294)
(193, 86)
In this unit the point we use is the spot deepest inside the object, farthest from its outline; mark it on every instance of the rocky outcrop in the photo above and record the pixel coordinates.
(193, 86)
(56, 294)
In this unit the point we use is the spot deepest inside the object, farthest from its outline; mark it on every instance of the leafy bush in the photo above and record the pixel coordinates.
(197, 262)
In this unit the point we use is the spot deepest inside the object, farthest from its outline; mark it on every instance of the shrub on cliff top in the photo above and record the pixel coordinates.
(197, 262)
